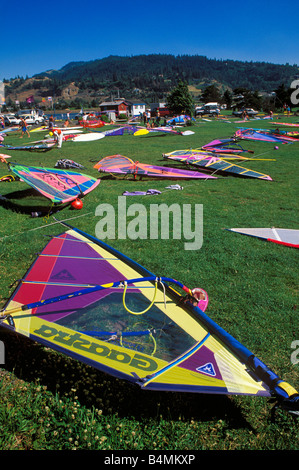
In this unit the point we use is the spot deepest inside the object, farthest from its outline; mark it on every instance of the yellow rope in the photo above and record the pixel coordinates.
(138, 313)
(150, 335)
(155, 344)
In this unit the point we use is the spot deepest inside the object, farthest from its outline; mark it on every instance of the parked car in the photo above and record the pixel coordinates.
(164, 112)
(211, 109)
(11, 120)
(32, 119)
(249, 112)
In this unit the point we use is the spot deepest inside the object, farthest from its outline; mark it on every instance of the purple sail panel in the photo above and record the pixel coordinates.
(64, 266)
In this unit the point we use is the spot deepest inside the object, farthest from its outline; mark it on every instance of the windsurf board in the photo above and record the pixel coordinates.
(88, 137)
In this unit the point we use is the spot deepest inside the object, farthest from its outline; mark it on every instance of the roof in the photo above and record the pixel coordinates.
(112, 103)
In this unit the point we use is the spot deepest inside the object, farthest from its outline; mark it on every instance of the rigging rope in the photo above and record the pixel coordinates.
(143, 311)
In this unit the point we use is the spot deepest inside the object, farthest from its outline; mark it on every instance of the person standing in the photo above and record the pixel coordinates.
(158, 118)
(148, 116)
(23, 126)
(51, 122)
(58, 136)
(144, 118)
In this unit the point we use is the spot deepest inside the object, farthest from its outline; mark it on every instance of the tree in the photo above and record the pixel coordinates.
(282, 96)
(212, 94)
(227, 98)
(245, 98)
(179, 100)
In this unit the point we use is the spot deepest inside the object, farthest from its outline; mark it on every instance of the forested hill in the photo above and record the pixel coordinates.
(160, 71)
(145, 77)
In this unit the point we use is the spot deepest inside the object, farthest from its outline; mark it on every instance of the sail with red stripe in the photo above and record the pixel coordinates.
(89, 301)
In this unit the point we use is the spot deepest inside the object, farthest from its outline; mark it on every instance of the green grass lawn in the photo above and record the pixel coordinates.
(49, 401)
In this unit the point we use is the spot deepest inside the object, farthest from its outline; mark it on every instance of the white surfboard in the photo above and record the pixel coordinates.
(187, 132)
(70, 131)
(68, 128)
(88, 137)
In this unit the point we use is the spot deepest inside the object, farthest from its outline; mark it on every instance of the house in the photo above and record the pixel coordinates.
(118, 107)
(136, 107)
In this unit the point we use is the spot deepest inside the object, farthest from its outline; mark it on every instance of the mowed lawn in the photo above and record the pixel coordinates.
(48, 401)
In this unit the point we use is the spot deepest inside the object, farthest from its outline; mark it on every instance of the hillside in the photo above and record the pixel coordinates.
(147, 77)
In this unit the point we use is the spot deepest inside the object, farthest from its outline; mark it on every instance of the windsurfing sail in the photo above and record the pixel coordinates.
(3, 157)
(67, 163)
(92, 123)
(160, 130)
(8, 129)
(278, 133)
(225, 146)
(282, 236)
(58, 185)
(55, 128)
(39, 147)
(215, 163)
(87, 300)
(120, 165)
(121, 131)
(140, 130)
(210, 153)
(252, 134)
(288, 124)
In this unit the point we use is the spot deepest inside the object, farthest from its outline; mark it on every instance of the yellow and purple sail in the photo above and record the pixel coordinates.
(225, 146)
(123, 166)
(214, 163)
(58, 185)
(87, 300)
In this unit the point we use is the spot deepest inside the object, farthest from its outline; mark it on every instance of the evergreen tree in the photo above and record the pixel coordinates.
(247, 99)
(212, 94)
(282, 96)
(227, 98)
(179, 100)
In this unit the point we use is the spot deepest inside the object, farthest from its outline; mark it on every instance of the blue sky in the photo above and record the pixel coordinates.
(38, 36)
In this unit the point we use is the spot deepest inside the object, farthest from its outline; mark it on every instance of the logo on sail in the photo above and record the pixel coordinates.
(207, 369)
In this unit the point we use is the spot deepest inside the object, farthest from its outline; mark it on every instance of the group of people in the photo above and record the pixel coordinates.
(22, 125)
(286, 109)
(148, 122)
(56, 133)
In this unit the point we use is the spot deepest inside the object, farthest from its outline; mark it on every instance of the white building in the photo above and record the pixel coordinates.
(136, 107)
